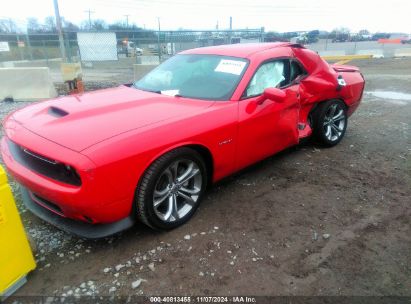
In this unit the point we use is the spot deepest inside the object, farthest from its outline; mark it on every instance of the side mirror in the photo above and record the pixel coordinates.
(273, 94)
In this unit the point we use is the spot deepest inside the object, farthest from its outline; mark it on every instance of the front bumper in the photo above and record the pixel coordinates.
(95, 199)
(82, 229)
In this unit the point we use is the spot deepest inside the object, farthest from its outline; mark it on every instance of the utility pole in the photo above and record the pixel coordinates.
(59, 30)
(29, 44)
(89, 18)
(158, 41)
(231, 30)
(10, 25)
(126, 19)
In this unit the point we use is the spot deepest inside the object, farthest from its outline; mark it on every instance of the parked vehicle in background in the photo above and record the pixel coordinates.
(406, 40)
(94, 163)
(378, 36)
(308, 38)
(341, 37)
(129, 49)
(139, 51)
(360, 37)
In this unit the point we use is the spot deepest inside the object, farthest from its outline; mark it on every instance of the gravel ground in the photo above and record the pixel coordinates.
(308, 221)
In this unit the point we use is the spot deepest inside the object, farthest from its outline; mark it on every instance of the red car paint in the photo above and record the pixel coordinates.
(111, 136)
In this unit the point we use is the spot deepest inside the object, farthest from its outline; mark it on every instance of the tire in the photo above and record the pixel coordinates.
(330, 122)
(166, 198)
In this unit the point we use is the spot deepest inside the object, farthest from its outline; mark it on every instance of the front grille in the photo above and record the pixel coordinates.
(44, 165)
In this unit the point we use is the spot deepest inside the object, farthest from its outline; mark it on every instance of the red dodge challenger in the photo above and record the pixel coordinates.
(93, 164)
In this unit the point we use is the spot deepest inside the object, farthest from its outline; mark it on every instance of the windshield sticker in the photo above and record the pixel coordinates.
(170, 92)
(230, 66)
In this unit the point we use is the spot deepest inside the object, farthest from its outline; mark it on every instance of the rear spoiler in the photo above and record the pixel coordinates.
(344, 68)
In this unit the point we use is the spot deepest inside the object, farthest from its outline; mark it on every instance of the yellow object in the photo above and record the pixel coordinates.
(71, 71)
(343, 61)
(346, 57)
(16, 258)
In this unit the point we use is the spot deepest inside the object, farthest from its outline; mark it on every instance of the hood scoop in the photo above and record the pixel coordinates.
(57, 112)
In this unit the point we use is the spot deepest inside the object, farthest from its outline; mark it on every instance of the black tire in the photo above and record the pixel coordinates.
(144, 198)
(323, 124)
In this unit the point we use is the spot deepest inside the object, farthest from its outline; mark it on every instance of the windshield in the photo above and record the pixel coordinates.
(195, 76)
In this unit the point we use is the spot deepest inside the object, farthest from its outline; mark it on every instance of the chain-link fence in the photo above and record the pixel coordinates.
(114, 55)
(111, 55)
(128, 43)
(45, 46)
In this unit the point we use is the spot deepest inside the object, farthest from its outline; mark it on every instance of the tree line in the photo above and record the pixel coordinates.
(34, 26)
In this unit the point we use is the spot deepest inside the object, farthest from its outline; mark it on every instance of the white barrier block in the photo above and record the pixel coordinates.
(7, 64)
(26, 84)
(406, 52)
(375, 53)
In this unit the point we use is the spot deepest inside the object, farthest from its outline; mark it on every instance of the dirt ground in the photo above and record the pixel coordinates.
(308, 221)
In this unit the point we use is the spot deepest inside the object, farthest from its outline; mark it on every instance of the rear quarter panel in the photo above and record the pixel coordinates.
(353, 91)
(321, 84)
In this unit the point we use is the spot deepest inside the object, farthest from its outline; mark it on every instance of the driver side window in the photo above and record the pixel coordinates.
(296, 70)
(270, 75)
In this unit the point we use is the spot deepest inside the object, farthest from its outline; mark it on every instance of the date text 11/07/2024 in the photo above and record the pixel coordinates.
(203, 299)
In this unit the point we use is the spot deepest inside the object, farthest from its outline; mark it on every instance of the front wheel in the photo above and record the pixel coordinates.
(171, 188)
(330, 122)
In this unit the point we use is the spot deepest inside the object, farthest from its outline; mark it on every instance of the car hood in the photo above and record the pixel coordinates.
(80, 121)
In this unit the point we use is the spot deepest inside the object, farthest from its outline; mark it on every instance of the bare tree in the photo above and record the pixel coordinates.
(7, 26)
(33, 25)
(364, 32)
(117, 26)
(50, 24)
(96, 25)
(70, 26)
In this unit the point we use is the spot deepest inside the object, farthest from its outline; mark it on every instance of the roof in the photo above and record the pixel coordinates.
(242, 50)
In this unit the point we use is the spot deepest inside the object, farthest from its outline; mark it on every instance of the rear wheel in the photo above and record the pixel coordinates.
(171, 189)
(330, 122)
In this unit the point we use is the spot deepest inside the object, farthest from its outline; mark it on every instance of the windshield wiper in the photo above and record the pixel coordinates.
(151, 91)
(154, 91)
(146, 90)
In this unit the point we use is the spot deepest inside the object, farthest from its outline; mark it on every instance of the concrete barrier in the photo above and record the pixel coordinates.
(406, 52)
(7, 64)
(375, 53)
(51, 63)
(26, 84)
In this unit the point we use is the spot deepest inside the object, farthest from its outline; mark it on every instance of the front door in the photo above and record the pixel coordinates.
(270, 127)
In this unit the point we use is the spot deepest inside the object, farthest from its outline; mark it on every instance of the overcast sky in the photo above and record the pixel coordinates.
(285, 15)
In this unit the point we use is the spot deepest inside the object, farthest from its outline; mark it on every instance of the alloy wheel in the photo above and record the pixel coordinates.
(334, 122)
(177, 190)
